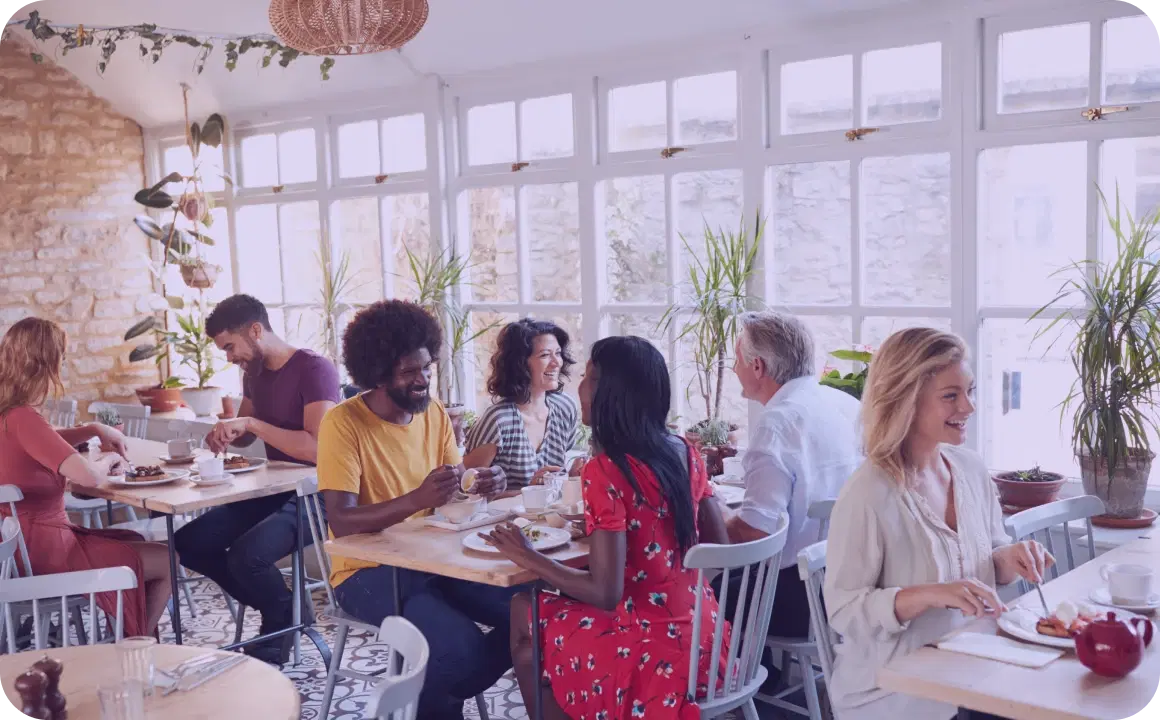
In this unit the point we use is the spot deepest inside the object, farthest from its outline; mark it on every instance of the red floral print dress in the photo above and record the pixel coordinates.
(632, 662)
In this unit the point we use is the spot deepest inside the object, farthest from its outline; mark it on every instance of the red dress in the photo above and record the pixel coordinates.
(632, 662)
(31, 453)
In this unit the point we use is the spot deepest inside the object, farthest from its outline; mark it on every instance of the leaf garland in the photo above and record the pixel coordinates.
(154, 41)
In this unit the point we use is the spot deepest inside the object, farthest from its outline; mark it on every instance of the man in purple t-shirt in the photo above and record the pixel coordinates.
(286, 391)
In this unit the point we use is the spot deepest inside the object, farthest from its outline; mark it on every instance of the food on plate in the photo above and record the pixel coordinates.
(144, 473)
(236, 462)
(533, 533)
(1068, 619)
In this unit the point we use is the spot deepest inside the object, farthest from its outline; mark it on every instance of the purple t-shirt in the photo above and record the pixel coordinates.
(279, 397)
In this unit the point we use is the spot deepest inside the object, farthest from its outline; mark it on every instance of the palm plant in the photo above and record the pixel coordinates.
(337, 280)
(1116, 354)
(718, 291)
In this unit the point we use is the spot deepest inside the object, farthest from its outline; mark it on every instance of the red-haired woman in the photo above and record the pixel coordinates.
(41, 461)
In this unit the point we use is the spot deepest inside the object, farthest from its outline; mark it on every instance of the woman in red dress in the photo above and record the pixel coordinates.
(616, 640)
(39, 460)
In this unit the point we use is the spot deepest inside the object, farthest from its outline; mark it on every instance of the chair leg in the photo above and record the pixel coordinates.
(86, 518)
(186, 591)
(749, 710)
(239, 619)
(481, 705)
(132, 513)
(332, 672)
(810, 686)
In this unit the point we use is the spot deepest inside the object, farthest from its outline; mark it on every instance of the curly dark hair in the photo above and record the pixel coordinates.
(510, 379)
(381, 334)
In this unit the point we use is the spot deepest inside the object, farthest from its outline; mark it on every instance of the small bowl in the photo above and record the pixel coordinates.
(461, 511)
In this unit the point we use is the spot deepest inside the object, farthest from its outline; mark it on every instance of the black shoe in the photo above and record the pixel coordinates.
(275, 652)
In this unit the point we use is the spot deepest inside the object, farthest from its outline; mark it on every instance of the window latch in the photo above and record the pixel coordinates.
(517, 166)
(1098, 113)
(380, 179)
(671, 151)
(859, 133)
(278, 188)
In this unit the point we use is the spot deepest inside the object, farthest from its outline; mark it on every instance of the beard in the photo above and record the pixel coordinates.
(257, 362)
(408, 400)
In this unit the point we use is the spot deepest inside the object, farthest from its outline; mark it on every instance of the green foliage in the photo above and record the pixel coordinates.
(713, 433)
(108, 416)
(583, 438)
(854, 383)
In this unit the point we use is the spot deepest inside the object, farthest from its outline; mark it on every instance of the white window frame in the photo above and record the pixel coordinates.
(286, 189)
(379, 115)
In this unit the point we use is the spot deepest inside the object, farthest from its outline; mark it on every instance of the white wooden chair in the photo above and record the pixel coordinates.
(744, 672)
(397, 697)
(812, 570)
(58, 588)
(1039, 520)
(801, 651)
(60, 413)
(135, 417)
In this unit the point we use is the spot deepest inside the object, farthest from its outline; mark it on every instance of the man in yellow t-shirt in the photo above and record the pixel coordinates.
(387, 455)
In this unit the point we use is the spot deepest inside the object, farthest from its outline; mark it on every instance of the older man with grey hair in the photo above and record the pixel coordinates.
(801, 450)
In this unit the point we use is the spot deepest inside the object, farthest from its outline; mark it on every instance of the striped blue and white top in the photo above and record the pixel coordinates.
(502, 425)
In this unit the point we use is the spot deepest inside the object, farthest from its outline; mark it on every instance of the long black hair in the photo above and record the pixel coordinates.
(629, 412)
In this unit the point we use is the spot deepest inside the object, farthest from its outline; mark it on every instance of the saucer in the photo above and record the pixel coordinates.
(183, 460)
(211, 481)
(1101, 596)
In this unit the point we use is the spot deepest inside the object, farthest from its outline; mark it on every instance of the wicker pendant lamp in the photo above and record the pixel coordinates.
(347, 27)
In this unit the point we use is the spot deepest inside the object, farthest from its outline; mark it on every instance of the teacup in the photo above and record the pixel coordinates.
(536, 497)
(461, 509)
(211, 468)
(1128, 583)
(179, 448)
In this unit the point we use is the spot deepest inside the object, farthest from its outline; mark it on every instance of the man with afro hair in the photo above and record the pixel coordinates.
(389, 454)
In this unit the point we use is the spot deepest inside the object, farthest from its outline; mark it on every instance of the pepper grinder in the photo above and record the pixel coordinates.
(54, 699)
(31, 686)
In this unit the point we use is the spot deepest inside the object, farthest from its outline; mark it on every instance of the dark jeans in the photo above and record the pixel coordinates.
(965, 714)
(464, 660)
(237, 546)
(791, 605)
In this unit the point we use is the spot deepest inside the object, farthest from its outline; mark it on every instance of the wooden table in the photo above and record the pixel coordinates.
(1063, 690)
(252, 689)
(182, 496)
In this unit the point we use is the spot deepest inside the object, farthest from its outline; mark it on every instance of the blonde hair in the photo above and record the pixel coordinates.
(900, 368)
(31, 354)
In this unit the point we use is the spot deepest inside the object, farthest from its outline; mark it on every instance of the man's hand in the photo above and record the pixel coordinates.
(490, 482)
(539, 475)
(437, 487)
(112, 440)
(226, 432)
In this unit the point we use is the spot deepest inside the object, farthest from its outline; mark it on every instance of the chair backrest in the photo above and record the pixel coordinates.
(61, 586)
(397, 696)
(761, 559)
(820, 511)
(194, 430)
(135, 417)
(60, 412)
(1041, 519)
(311, 501)
(812, 570)
(11, 494)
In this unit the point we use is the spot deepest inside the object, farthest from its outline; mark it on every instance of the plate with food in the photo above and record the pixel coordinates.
(146, 475)
(1055, 630)
(542, 538)
(236, 464)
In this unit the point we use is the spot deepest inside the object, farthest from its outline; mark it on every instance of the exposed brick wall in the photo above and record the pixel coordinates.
(69, 251)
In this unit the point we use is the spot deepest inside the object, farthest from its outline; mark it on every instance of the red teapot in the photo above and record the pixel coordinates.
(1113, 648)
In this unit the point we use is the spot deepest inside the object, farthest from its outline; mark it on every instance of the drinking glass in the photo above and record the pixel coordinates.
(122, 701)
(137, 661)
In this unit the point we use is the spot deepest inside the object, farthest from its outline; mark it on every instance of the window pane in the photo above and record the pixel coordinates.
(298, 225)
(494, 265)
(358, 149)
(219, 254)
(491, 134)
(546, 128)
(902, 85)
(691, 390)
(1131, 60)
(297, 159)
(1032, 220)
(817, 95)
(707, 201)
(706, 108)
(1133, 166)
(637, 117)
(408, 222)
(1026, 430)
(810, 232)
(178, 159)
(484, 347)
(634, 230)
(1045, 68)
(875, 330)
(304, 329)
(356, 232)
(830, 333)
(906, 233)
(551, 215)
(259, 273)
(645, 326)
(259, 161)
(405, 144)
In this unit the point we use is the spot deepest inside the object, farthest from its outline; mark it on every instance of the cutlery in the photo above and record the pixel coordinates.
(199, 674)
(1039, 589)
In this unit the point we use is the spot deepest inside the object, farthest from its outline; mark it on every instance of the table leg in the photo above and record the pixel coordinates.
(398, 592)
(109, 512)
(297, 577)
(537, 682)
(174, 590)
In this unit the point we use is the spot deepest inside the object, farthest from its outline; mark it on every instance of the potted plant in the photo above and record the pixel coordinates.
(717, 292)
(1116, 354)
(195, 349)
(852, 383)
(112, 418)
(1028, 488)
(715, 441)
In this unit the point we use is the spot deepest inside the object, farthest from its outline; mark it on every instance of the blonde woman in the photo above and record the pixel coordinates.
(916, 544)
(40, 460)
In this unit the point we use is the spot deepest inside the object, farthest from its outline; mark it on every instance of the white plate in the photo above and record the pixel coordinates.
(1020, 623)
(729, 494)
(170, 476)
(558, 508)
(734, 480)
(255, 463)
(199, 481)
(1101, 596)
(550, 539)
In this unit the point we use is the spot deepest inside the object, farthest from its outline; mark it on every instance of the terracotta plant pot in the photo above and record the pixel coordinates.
(200, 277)
(715, 459)
(160, 399)
(1123, 496)
(457, 413)
(1027, 493)
(230, 407)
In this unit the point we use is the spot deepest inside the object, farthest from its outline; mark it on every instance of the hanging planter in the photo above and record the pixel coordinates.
(199, 275)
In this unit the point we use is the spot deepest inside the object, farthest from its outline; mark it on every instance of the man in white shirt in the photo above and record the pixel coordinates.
(802, 449)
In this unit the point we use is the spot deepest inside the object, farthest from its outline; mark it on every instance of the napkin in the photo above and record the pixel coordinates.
(995, 647)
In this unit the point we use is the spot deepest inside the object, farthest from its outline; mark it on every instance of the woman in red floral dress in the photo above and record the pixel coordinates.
(616, 639)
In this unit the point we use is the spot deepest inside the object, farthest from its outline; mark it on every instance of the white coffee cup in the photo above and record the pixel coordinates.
(732, 467)
(572, 493)
(211, 468)
(180, 448)
(1128, 583)
(536, 497)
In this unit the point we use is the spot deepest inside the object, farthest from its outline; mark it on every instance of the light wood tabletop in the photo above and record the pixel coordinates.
(414, 546)
(1062, 690)
(182, 496)
(251, 689)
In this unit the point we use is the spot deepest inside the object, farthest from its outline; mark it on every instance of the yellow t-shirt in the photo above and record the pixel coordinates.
(360, 453)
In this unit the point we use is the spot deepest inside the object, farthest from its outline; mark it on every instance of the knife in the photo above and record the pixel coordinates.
(1039, 589)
